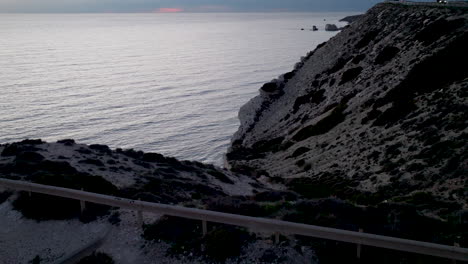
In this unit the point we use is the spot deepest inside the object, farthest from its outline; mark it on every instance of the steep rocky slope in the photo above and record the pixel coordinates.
(378, 114)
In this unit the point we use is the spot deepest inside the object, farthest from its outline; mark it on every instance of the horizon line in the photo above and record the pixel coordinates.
(186, 12)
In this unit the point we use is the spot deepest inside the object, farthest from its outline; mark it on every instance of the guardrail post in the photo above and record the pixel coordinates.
(82, 204)
(205, 231)
(140, 216)
(277, 238)
(455, 245)
(204, 227)
(359, 246)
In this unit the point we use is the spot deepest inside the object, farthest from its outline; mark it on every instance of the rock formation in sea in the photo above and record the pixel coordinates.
(331, 27)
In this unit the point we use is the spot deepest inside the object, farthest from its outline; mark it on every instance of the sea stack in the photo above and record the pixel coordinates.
(331, 27)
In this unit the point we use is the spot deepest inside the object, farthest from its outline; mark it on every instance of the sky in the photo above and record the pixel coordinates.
(174, 6)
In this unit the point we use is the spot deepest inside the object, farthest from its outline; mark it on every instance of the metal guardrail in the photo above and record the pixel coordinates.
(254, 223)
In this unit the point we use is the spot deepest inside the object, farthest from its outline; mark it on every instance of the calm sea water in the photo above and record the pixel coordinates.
(167, 83)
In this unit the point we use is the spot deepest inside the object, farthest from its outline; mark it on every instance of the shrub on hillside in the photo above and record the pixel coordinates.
(97, 258)
(42, 207)
(386, 55)
(185, 236)
(180, 233)
(225, 242)
(350, 75)
(323, 126)
(4, 196)
(236, 205)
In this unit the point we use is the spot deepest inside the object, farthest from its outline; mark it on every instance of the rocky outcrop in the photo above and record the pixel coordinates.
(376, 115)
(124, 169)
(331, 27)
(351, 19)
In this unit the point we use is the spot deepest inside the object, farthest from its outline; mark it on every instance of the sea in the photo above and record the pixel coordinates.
(166, 83)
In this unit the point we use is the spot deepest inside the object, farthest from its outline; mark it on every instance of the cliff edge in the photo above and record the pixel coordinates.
(376, 115)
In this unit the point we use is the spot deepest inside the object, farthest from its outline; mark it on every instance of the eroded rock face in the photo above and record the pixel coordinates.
(377, 114)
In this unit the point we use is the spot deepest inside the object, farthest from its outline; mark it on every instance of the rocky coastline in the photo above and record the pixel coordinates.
(378, 112)
(367, 132)
(351, 19)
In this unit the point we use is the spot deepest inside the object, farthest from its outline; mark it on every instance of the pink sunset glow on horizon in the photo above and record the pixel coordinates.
(168, 10)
